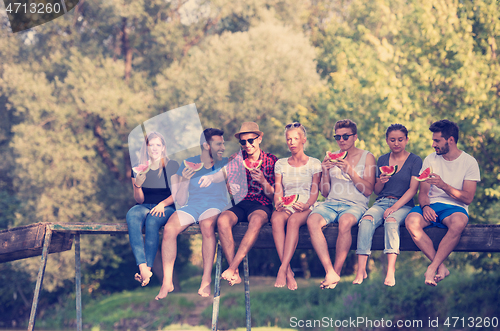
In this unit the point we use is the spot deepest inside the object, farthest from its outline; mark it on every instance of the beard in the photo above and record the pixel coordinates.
(215, 157)
(444, 150)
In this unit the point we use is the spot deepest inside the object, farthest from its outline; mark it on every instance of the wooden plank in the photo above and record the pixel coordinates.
(475, 238)
(27, 241)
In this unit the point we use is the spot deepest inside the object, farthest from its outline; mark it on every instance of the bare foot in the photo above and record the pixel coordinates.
(330, 281)
(290, 280)
(145, 274)
(281, 279)
(359, 278)
(442, 273)
(164, 291)
(429, 277)
(146, 278)
(390, 280)
(204, 290)
(232, 276)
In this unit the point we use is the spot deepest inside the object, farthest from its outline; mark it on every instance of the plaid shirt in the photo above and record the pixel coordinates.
(250, 190)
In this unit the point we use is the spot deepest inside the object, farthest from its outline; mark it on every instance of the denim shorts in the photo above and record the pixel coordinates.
(442, 210)
(332, 210)
(381, 205)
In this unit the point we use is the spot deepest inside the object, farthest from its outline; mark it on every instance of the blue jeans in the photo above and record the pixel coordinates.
(138, 217)
(366, 227)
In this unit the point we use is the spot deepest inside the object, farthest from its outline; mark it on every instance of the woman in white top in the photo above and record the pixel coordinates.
(298, 174)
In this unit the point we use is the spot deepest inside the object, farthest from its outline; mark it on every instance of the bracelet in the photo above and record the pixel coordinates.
(137, 186)
(424, 207)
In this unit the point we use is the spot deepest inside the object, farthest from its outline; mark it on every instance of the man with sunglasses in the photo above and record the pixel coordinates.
(347, 185)
(252, 191)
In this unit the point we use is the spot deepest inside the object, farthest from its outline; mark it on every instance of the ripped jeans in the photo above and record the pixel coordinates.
(391, 234)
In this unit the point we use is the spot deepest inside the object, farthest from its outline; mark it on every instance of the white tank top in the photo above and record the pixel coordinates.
(342, 188)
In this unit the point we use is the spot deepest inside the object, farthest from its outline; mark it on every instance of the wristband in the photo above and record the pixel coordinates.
(424, 207)
(137, 186)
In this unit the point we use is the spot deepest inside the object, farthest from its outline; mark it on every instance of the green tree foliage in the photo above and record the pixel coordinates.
(260, 75)
(414, 63)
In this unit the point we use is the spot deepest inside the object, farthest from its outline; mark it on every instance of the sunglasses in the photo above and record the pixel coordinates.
(344, 136)
(243, 142)
(293, 125)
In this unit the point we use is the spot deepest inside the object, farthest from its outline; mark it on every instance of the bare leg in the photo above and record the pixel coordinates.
(292, 238)
(361, 273)
(207, 227)
(278, 222)
(225, 224)
(390, 278)
(255, 222)
(315, 223)
(169, 251)
(344, 240)
(456, 224)
(391, 228)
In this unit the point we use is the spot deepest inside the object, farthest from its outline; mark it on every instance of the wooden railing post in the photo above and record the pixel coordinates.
(39, 280)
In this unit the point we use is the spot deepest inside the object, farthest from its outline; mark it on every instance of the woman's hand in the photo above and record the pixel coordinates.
(279, 205)
(158, 210)
(389, 211)
(140, 179)
(384, 178)
(300, 207)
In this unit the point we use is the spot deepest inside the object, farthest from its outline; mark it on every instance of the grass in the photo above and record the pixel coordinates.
(463, 293)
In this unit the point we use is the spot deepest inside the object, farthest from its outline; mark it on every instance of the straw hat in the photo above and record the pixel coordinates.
(249, 127)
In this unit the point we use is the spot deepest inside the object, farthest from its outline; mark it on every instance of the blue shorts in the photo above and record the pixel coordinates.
(332, 210)
(442, 210)
(194, 211)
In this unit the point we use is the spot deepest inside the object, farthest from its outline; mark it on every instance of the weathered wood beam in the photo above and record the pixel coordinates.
(27, 241)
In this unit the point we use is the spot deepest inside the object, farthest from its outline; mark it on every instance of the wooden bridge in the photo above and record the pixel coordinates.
(44, 238)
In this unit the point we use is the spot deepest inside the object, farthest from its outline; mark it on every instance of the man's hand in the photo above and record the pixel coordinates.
(187, 173)
(435, 179)
(344, 165)
(234, 188)
(258, 176)
(205, 181)
(429, 214)
(327, 164)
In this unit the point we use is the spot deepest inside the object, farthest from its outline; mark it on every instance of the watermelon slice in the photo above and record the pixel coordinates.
(193, 166)
(288, 201)
(250, 165)
(141, 168)
(388, 170)
(334, 157)
(425, 174)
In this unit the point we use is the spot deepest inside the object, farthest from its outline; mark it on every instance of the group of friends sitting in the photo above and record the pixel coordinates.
(210, 189)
